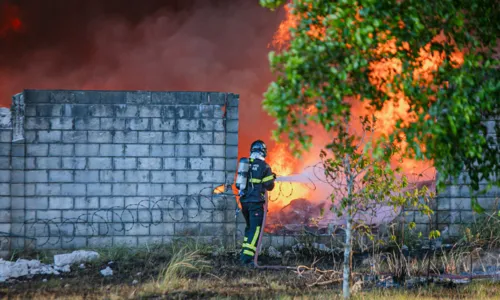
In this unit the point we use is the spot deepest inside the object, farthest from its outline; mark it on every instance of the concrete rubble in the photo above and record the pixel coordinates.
(62, 263)
(106, 272)
(273, 252)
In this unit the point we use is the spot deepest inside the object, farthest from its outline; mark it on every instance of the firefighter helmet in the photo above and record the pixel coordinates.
(260, 147)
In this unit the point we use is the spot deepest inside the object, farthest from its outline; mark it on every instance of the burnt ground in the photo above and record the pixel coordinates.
(138, 275)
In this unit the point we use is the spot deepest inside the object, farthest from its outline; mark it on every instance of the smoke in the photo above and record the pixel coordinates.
(189, 45)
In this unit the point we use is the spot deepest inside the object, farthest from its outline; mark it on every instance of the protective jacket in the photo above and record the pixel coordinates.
(260, 180)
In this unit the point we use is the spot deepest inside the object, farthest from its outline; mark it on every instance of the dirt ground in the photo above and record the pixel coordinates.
(142, 275)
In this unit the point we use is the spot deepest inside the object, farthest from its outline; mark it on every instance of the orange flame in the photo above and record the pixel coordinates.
(283, 164)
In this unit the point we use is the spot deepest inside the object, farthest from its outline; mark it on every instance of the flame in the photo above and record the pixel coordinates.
(9, 19)
(283, 164)
(220, 189)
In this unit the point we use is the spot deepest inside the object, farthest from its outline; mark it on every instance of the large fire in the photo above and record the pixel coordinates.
(398, 108)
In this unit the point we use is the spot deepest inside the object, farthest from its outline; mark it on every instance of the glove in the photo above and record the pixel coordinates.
(274, 176)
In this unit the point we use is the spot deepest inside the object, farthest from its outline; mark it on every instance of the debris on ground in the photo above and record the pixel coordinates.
(135, 282)
(106, 272)
(273, 252)
(24, 267)
(80, 256)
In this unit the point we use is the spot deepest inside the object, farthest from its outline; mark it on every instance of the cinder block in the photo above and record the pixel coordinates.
(218, 164)
(124, 189)
(5, 136)
(4, 202)
(460, 203)
(60, 202)
(48, 162)
(212, 151)
(233, 100)
(46, 110)
(187, 176)
(220, 125)
(100, 110)
(204, 111)
(98, 189)
(74, 163)
(138, 97)
(149, 163)
(137, 150)
(151, 137)
(87, 123)
(171, 163)
(49, 215)
(188, 125)
(99, 163)
(187, 229)
(163, 176)
(136, 176)
(49, 136)
(14, 150)
(145, 189)
(36, 123)
(60, 176)
(232, 126)
(219, 111)
(126, 110)
(86, 202)
(162, 150)
(73, 189)
(5, 175)
(75, 110)
(99, 137)
(111, 97)
(199, 189)
(149, 240)
(201, 138)
(99, 242)
(150, 111)
(38, 202)
(128, 137)
(112, 176)
(174, 189)
(15, 189)
(112, 124)
(219, 138)
(187, 150)
(207, 124)
(160, 124)
(86, 176)
(467, 217)
(137, 124)
(61, 150)
(74, 137)
(35, 176)
(112, 150)
(61, 123)
(30, 136)
(75, 243)
(175, 138)
(162, 229)
(81, 216)
(124, 163)
(111, 202)
(129, 241)
(87, 150)
(4, 163)
(488, 203)
(137, 229)
(231, 151)
(232, 113)
(199, 163)
(213, 176)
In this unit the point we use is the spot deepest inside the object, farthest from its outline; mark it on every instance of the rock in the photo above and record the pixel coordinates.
(135, 282)
(44, 280)
(106, 272)
(138, 274)
(82, 266)
(273, 252)
(64, 269)
(75, 257)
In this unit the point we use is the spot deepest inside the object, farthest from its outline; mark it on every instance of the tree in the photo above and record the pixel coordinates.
(363, 182)
(434, 57)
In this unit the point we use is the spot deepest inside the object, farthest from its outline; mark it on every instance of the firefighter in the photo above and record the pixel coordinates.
(252, 199)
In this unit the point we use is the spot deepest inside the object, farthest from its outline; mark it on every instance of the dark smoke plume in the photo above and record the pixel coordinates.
(142, 45)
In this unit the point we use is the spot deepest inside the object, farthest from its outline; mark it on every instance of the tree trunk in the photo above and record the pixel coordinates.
(347, 256)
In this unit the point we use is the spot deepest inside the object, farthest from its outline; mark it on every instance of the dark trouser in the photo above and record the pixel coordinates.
(254, 214)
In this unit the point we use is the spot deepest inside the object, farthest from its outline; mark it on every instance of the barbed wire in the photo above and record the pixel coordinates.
(293, 218)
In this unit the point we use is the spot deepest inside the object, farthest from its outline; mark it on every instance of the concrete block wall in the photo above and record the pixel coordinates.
(97, 168)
